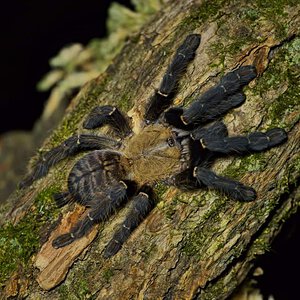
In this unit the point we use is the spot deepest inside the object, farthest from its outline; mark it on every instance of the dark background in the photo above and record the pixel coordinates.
(32, 32)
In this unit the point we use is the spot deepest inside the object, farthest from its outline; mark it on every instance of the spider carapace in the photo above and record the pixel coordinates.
(175, 145)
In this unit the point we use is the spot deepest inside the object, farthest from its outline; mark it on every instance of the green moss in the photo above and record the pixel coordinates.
(282, 72)
(246, 20)
(45, 206)
(171, 208)
(18, 242)
(194, 243)
(107, 274)
(149, 250)
(196, 240)
(125, 103)
(253, 163)
(230, 42)
(208, 9)
(275, 6)
(274, 11)
(284, 103)
(63, 292)
(82, 290)
(160, 189)
(251, 14)
(78, 289)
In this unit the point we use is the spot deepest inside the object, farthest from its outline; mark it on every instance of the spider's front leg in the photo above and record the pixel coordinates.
(221, 98)
(108, 115)
(232, 188)
(141, 205)
(163, 97)
(200, 176)
(253, 142)
(100, 209)
(214, 139)
(69, 147)
(215, 102)
(211, 139)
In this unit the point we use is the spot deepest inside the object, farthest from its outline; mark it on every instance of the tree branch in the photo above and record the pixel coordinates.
(193, 245)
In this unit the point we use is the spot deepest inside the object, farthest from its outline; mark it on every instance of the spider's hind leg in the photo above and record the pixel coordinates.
(141, 206)
(100, 210)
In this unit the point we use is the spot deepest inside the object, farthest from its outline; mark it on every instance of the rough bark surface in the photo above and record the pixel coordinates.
(193, 245)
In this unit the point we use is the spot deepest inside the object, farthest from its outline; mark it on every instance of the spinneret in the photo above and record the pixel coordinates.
(175, 145)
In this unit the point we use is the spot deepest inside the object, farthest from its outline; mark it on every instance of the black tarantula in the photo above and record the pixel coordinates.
(174, 145)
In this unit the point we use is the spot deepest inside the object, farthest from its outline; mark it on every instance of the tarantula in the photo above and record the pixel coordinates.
(175, 145)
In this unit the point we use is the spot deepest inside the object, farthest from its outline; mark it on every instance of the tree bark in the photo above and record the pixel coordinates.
(197, 245)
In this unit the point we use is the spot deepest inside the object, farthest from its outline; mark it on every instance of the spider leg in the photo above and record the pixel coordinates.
(162, 98)
(229, 85)
(214, 112)
(254, 142)
(232, 188)
(216, 130)
(69, 147)
(141, 206)
(186, 181)
(220, 98)
(108, 115)
(62, 198)
(100, 210)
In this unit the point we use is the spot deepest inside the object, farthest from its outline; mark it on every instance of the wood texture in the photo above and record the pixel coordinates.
(193, 245)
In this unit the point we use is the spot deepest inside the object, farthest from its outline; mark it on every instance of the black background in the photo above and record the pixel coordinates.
(32, 32)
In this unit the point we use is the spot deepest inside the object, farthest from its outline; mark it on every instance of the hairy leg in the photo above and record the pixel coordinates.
(173, 116)
(108, 115)
(141, 206)
(215, 130)
(232, 188)
(254, 142)
(100, 210)
(229, 85)
(163, 97)
(71, 146)
(63, 198)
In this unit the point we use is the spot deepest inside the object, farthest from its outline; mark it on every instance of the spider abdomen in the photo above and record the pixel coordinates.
(92, 173)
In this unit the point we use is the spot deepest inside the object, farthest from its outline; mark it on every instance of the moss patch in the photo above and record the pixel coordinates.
(208, 9)
(107, 274)
(283, 74)
(18, 242)
(196, 240)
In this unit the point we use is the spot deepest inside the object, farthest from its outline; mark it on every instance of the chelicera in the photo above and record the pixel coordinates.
(175, 145)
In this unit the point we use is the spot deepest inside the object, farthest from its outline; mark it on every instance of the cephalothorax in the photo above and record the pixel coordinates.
(175, 145)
